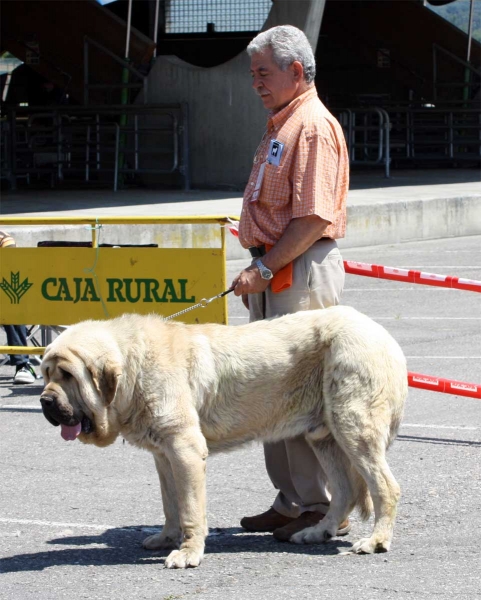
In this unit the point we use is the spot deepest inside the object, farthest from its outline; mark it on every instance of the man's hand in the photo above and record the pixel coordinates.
(249, 281)
(299, 235)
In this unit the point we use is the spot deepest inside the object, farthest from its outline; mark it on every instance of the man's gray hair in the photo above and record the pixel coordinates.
(288, 44)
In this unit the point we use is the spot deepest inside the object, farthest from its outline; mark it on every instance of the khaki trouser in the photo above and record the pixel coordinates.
(318, 281)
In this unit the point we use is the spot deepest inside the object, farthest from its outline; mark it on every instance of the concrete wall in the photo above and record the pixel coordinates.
(372, 224)
(369, 224)
(226, 120)
(226, 117)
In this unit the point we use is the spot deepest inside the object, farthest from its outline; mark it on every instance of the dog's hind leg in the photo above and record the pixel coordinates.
(342, 488)
(171, 534)
(385, 494)
(364, 443)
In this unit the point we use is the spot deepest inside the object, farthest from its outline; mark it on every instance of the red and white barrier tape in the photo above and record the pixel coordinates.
(426, 382)
(411, 276)
(447, 386)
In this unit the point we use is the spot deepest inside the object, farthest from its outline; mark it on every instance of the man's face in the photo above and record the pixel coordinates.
(275, 87)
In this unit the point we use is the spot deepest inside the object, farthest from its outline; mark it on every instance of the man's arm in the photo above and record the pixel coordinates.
(299, 235)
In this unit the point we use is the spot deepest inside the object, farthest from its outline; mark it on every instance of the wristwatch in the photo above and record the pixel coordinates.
(263, 270)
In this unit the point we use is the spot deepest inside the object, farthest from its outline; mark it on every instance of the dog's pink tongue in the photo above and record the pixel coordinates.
(70, 433)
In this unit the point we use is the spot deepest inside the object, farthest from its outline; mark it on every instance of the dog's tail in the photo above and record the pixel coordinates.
(365, 504)
(363, 497)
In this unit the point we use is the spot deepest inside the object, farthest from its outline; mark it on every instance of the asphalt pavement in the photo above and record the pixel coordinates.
(73, 516)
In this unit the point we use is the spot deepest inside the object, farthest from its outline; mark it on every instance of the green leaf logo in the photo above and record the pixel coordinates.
(15, 290)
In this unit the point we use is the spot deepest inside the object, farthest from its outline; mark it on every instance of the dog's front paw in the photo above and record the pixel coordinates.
(162, 540)
(182, 559)
(370, 546)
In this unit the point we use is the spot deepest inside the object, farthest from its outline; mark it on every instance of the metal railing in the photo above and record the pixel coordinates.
(378, 136)
(367, 132)
(101, 144)
(446, 135)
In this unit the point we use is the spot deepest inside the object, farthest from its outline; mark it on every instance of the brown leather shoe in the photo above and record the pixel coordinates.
(306, 519)
(267, 521)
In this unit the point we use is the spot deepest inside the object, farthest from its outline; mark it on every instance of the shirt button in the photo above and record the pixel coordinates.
(252, 183)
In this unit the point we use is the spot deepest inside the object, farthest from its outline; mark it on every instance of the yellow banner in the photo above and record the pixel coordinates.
(61, 286)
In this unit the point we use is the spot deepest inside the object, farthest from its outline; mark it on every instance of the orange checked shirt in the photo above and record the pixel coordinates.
(312, 177)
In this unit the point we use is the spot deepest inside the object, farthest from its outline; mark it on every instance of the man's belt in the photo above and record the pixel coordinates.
(257, 251)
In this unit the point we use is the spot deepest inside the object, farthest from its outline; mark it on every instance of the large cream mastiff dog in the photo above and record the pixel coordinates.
(181, 391)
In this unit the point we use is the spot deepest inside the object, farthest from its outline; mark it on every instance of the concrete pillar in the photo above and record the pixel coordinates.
(226, 117)
(304, 14)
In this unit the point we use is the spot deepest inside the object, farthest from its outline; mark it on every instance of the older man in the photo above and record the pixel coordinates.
(294, 209)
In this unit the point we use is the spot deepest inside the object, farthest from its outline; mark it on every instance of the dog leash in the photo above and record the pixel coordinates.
(202, 304)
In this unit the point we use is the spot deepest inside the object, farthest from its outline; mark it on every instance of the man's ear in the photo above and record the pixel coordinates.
(298, 70)
(106, 380)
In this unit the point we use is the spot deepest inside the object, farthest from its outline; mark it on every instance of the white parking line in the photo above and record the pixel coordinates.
(418, 425)
(448, 357)
(424, 426)
(401, 318)
(21, 406)
(53, 524)
(36, 407)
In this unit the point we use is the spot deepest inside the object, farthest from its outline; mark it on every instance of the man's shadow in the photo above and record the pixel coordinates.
(123, 546)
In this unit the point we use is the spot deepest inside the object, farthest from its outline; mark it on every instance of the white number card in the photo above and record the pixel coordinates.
(275, 152)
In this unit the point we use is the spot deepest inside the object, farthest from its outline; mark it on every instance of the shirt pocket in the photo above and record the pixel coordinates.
(276, 188)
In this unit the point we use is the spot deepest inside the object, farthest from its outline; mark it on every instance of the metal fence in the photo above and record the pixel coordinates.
(194, 16)
(367, 135)
(436, 134)
(105, 144)
(408, 135)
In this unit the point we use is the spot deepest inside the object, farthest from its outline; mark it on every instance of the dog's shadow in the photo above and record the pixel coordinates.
(123, 546)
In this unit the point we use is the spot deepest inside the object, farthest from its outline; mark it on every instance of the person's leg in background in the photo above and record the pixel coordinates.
(303, 498)
(24, 371)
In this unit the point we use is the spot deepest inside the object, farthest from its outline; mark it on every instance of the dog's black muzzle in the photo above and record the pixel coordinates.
(49, 410)
(56, 414)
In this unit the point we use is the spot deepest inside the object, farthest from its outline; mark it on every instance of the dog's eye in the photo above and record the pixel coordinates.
(65, 373)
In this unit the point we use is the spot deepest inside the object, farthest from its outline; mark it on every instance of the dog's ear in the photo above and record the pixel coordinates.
(106, 379)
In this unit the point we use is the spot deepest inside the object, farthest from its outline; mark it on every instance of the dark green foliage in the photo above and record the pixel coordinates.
(457, 13)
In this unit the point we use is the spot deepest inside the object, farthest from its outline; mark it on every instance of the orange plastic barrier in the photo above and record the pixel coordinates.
(411, 276)
(447, 386)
